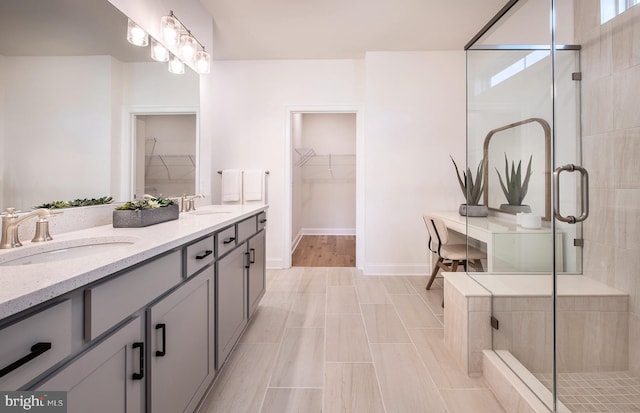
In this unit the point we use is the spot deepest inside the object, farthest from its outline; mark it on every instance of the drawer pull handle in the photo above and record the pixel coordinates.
(229, 240)
(253, 256)
(163, 352)
(36, 350)
(204, 255)
(140, 375)
(247, 260)
(263, 220)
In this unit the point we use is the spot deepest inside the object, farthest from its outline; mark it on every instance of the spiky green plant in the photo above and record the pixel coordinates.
(515, 189)
(470, 189)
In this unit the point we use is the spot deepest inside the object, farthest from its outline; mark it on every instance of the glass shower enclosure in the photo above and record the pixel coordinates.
(562, 328)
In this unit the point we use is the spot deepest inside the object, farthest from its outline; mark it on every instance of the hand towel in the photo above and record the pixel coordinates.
(253, 185)
(231, 185)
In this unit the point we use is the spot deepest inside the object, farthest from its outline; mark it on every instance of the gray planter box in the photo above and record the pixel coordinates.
(144, 217)
(473, 210)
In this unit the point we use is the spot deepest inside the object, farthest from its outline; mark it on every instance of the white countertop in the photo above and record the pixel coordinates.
(23, 286)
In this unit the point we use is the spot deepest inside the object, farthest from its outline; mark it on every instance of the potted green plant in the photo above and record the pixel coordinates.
(514, 186)
(150, 211)
(472, 191)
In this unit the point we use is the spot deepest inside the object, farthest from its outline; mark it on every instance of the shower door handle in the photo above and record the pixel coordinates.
(584, 186)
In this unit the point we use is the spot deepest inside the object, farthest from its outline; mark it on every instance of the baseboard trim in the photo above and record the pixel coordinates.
(275, 264)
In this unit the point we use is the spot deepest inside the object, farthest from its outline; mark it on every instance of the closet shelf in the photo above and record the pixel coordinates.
(171, 163)
(307, 154)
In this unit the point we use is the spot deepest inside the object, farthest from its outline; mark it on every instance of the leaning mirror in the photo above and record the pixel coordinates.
(517, 168)
(71, 87)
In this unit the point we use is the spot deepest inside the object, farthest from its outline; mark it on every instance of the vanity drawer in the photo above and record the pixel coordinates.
(225, 240)
(262, 220)
(33, 345)
(247, 228)
(199, 255)
(112, 301)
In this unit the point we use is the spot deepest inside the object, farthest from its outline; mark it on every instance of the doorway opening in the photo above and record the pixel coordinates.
(323, 190)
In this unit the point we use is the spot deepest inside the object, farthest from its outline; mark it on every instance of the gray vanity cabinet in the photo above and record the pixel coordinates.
(109, 378)
(181, 337)
(231, 301)
(256, 270)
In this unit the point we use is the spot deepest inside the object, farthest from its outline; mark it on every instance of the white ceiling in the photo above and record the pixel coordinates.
(342, 29)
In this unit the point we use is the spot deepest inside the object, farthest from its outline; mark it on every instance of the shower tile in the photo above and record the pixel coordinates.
(598, 106)
(622, 40)
(627, 220)
(634, 343)
(625, 98)
(600, 227)
(587, 16)
(627, 152)
(598, 259)
(598, 155)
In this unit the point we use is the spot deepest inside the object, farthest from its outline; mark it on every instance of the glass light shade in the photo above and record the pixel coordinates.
(159, 53)
(170, 28)
(203, 62)
(188, 47)
(135, 34)
(175, 65)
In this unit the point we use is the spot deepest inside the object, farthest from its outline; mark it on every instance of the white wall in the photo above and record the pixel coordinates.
(415, 118)
(328, 196)
(249, 116)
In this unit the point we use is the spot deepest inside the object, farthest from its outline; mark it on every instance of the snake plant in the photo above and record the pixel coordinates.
(515, 189)
(470, 189)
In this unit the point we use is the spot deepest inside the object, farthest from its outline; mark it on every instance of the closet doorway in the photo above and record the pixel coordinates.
(323, 194)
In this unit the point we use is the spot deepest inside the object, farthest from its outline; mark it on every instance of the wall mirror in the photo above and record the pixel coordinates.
(523, 142)
(69, 86)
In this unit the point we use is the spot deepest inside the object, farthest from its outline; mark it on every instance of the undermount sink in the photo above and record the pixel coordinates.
(53, 251)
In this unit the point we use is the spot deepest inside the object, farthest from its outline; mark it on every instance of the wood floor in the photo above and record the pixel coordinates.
(331, 340)
(325, 251)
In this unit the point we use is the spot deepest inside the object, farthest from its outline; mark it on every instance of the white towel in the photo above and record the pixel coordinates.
(231, 185)
(253, 185)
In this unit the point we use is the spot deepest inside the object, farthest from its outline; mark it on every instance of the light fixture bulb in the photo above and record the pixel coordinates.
(175, 65)
(170, 28)
(203, 62)
(188, 47)
(136, 35)
(159, 53)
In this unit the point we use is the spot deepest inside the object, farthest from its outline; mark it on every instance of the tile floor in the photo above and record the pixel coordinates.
(329, 339)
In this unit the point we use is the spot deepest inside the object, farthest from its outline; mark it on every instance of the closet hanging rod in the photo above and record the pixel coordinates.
(265, 172)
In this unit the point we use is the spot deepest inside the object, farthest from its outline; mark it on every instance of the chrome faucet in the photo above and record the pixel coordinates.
(11, 221)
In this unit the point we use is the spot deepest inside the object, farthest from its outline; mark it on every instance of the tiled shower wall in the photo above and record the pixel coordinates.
(611, 153)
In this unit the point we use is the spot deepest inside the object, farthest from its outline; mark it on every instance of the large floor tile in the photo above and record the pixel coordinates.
(383, 324)
(351, 388)
(397, 285)
(471, 400)
(340, 276)
(313, 281)
(346, 339)
(292, 401)
(414, 313)
(372, 291)
(308, 310)
(342, 299)
(405, 383)
(266, 326)
(441, 365)
(243, 381)
(300, 359)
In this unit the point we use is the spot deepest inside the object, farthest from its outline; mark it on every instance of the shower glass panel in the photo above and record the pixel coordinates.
(522, 122)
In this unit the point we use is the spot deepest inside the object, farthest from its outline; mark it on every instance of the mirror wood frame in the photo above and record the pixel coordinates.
(547, 163)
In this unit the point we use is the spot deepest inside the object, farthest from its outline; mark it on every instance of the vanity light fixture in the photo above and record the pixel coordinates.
(175, 65)
(136, 35)
(159, 53)
(174, 32)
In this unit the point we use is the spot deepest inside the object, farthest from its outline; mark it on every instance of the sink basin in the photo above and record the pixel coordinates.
(63, 250)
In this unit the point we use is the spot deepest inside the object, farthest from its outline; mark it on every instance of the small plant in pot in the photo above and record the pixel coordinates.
(514, 187)
(472, 191)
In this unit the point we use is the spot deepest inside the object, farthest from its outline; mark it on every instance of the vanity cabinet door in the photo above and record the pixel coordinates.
(109, 378)
(181, 337)
(231, 301)
(257, 270)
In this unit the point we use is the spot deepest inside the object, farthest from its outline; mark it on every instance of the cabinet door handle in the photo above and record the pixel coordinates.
(36, 350)
(163, 352)
(263, 220)
(204, 255)
(247, 262)
(140, 375)
(253, 255)
(229, 240)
